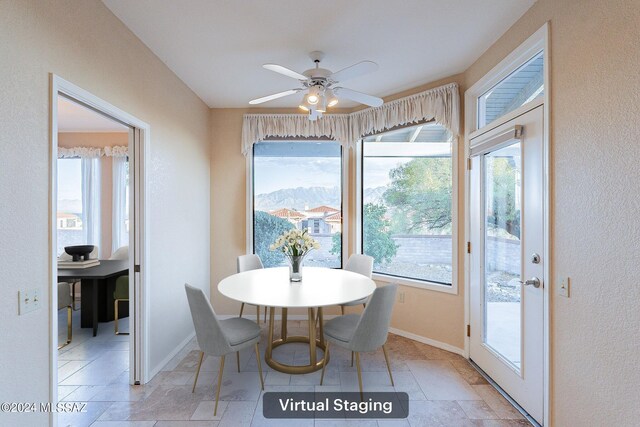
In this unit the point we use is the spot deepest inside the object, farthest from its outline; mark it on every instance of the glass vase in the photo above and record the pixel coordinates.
(295, 268)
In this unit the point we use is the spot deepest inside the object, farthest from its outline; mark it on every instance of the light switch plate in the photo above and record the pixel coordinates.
(564, 285)
(401, 297)
(28, 301)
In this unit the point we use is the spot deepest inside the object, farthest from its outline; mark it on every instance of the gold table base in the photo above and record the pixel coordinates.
(314, 365)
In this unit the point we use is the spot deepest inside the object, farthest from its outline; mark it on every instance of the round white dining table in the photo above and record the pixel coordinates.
(320, 287)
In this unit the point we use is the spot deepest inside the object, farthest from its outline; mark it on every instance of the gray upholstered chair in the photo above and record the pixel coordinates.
(121, 294)
(65, 301)
(361, 264)
(366, 332)
(247, 263)
(220, 337)
(73, 282)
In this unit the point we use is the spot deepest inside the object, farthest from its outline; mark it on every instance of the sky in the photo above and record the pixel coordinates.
(69, 179)
(276, 173)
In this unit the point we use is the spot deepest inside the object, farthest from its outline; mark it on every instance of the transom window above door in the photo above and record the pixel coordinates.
(523, 85)
(406, 207)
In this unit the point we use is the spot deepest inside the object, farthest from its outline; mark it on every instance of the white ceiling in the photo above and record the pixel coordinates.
(217, 47)
(73, 117)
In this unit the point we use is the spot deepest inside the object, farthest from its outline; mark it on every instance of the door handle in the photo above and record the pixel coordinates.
(534, 281)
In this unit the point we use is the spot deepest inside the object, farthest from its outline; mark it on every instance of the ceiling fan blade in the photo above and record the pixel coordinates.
(363, 98)
(285, 71)
(274, 96)
(356, 70)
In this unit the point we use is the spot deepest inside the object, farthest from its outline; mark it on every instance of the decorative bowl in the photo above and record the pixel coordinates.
(79, 251)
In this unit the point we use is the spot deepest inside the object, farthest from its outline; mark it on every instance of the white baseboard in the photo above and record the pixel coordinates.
(170, 356)
(429, 341)
(276, 317)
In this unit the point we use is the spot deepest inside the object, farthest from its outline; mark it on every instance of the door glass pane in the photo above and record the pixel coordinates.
(502, 292)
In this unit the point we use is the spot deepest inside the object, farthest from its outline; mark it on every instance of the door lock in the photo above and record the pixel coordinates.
(535, 258)
(534, 281)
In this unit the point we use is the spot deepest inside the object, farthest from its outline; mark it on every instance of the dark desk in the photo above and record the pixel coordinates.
(93, 280)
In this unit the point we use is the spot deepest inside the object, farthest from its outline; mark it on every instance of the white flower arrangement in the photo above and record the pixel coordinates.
(294, 243)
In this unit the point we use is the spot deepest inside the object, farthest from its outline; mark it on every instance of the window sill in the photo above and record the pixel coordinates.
(420, 284)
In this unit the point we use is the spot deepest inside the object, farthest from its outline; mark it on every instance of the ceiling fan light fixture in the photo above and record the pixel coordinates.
(332, 99)
(314, 95)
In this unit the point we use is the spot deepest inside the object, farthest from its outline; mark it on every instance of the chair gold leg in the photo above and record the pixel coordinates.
(324, 363)
(215, 409)
(359, 375)
(352, 359)
(342, 309)
(115, 310)
(238, 359)
(69, 324)
(386, 358)
(69, 327)
(259, 365)
(258, 315)
(73, 296)
(197, 372)
(241, 309)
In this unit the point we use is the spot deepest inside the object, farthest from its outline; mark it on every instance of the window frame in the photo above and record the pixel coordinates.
(415, 283)
(524, 53)
(345, 158)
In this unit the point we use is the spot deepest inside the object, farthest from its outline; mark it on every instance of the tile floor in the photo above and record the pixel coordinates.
(444, 389)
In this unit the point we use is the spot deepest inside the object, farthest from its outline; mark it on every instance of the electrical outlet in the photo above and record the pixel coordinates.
(28, 301)
(564, 284)
(401, 297)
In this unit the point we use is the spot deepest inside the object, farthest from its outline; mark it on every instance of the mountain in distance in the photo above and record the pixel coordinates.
(374, 194)
(309, 197)
(298, 198)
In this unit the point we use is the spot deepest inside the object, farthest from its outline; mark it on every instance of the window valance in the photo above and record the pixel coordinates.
(92, 152)
(441, 104)
(258, 127)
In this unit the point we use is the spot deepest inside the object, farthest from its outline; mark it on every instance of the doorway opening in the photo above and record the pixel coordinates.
(97, 246)
(507, 225)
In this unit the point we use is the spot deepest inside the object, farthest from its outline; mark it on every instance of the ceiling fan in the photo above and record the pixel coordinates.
(320, 86)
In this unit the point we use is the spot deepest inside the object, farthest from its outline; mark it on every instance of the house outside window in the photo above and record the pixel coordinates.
(298, 185)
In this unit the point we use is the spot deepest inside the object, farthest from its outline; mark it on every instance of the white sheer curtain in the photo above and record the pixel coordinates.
(120, 233)
(91, 201)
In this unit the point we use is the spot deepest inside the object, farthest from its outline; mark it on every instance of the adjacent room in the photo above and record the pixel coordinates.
(92, 230)
(347, 213)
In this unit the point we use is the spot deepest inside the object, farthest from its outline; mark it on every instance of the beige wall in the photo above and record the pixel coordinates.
(101, 140)
(434, 315)
(595, 107)
(83, 42)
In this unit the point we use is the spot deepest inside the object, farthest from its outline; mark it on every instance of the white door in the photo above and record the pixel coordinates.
(507, 259)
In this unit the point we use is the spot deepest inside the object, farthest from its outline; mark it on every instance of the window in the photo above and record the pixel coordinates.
(69, 215)
(406, 208)
(298, 185)
(520, 87)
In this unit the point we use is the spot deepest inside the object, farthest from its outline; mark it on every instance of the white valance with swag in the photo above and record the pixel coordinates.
(441, 104)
